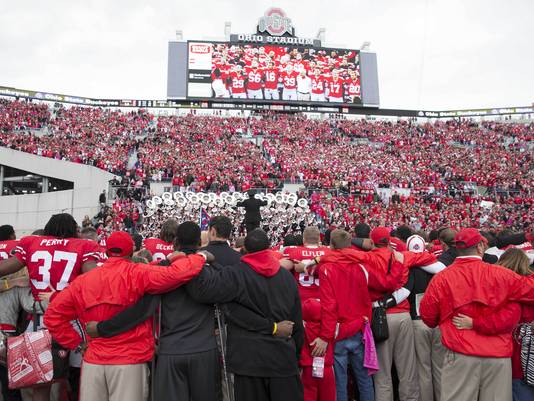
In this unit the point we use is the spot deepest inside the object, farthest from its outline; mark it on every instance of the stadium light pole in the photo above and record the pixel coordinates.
(227, 30)
(321, 34)
(365, 46)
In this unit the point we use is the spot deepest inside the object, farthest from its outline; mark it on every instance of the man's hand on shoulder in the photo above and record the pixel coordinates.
(286, 264)
(208, 255)
(399, 256)
(171, 257)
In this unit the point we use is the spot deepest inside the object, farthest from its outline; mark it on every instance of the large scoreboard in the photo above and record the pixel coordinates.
(272, 66)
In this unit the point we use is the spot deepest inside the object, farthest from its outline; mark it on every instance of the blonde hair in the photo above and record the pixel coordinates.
(311, 235)
(516, 260)
(340, 239)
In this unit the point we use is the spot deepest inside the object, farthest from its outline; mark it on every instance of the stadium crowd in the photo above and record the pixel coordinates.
(447, 167)
(388, 270)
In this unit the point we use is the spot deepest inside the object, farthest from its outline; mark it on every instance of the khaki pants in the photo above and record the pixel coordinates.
(430, 353)
(466, 378)
(114, 382)
(398, 348)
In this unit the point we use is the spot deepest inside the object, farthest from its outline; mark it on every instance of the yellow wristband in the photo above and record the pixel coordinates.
(6, 284)
(275, 328)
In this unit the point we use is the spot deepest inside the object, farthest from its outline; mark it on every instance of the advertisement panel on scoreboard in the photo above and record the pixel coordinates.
(257, 71)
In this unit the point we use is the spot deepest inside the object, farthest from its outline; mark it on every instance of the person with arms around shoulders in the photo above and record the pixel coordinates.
(476, 366)
(115, 368)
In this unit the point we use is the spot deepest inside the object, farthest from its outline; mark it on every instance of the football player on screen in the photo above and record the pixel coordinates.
(271, 78)
(254, 84)
(238, 83)
(289, 79)
(318, 86)
(335, 88)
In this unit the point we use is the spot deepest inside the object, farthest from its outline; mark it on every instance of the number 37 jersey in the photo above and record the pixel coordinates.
(54, 262)
(308, 285)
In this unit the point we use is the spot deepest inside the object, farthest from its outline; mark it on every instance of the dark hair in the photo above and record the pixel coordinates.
(433, 235)
(492, 239)
(251, 193)
(362, 230)
(138, 241)
(326, 238)
(256, 241)
(40, 231)
(290, 240)
(61, 225)
(187, 234)
(447, 236)
(168, 230)
(403, 233)
(6, 232)
(299, 241)
(223, 226)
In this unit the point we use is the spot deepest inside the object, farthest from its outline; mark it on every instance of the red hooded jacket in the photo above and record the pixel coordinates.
(265, 263)
(103, 292)
(344, 293)
(474, 288)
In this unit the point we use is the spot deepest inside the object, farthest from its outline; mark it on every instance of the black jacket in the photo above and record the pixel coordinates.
(450, 254)
(146, 308)
(253, 353)
(224, 254)
(252, 209)
(418, 281)
(448, 257)
(187, 326)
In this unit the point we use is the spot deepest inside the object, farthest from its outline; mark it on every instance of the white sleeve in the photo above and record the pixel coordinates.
(434, 268)
(401, 294)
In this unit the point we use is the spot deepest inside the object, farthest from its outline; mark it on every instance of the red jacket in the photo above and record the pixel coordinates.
(102, 293)
(376, 262)
(344, 294)
(505, 320)
(474, 288)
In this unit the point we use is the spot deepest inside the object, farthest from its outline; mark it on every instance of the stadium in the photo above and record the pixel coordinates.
(275, 147)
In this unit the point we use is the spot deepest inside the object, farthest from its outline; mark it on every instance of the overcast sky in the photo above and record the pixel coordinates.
(432, 54)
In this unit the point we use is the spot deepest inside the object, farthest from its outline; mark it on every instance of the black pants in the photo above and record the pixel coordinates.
(9, 395)
(248, 388)
(74, 381)
(251, 225)
(191, 377)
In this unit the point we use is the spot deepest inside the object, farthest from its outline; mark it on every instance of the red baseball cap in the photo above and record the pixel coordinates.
(380, 235)
(468, 237)
(119, 244)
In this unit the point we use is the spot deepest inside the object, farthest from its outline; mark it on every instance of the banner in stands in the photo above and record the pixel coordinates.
(255, 105)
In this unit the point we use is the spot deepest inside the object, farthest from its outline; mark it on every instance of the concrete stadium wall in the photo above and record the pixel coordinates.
(29, 212)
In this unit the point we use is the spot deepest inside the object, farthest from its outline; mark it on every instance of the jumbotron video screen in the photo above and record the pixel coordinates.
(273, 72)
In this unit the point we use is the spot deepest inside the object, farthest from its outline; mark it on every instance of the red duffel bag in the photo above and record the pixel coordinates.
(33, 359)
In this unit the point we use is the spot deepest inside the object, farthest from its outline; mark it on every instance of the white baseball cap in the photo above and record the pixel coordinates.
(416, 244)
